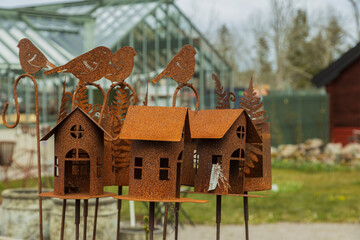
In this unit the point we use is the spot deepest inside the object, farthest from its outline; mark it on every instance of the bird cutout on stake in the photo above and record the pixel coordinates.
(88, 67)
(31, 58)
(181, 68)
(121, 64)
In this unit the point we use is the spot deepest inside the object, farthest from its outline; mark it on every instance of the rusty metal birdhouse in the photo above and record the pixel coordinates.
(78, 160)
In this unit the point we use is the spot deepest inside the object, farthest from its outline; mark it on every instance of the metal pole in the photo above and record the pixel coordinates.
(77, 217)
(218, 216)
(246, 216)
(63, 219)
(95, 217)
(118, 213)
(165, 220)
(85, 217)
(151, 219)
(177, 208)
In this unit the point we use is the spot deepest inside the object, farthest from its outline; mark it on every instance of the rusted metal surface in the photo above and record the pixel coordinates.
(246, 216)
(37, 135)
(95, 217)
(86, 204)
(165, 220)
(78, 161)
(63, 215)
(31, 58)
(77, 219)
(218, 216)
(154, 123)
(88, 67)
(181, 68)
(151, 219)
(121, 64)
(158, 135)
(176, 212)
(195, 91)
(118, 213)
(223, 97)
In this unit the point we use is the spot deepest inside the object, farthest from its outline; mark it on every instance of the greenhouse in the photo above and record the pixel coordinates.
(62, 31)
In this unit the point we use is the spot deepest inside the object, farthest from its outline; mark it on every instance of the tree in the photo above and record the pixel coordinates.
(264, 69)
(297, 54)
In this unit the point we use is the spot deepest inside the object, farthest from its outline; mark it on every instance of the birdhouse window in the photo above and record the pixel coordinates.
(77, 153)
(56, 167)
(77, 131)
(196, 161)
(164, 169)
(138, 168)
(240, 132)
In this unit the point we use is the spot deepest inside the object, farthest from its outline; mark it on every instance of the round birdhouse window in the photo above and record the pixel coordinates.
(77, 131)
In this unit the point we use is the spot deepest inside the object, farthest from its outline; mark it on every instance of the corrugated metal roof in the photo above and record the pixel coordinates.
(154, 123)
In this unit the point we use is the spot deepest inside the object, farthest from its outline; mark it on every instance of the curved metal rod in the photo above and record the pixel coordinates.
(37, 135)
(195, 91)
(232, 97)
(134, 101)
(85, 84)
(16, 102)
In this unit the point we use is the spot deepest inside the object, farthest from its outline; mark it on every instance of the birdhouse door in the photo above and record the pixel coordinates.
(77, 172)
(237, 172)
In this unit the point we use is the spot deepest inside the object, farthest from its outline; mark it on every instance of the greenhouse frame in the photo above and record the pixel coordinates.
(156, 29)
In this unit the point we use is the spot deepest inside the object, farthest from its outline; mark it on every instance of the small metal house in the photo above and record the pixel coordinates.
(157, 137)
(79, 151)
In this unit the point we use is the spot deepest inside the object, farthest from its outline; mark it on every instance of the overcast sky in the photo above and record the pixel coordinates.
(210, 14)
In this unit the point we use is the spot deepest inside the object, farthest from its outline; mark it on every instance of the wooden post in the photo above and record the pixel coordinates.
(63, 220)
(218, 216)
(77, 217)
(151, 219)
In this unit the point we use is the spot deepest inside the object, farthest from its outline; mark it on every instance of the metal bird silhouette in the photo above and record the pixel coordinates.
(181, 68)
(88, 67)
(121, 64)
(31, 58)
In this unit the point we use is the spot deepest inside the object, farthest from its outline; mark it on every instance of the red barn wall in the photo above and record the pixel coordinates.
(344, 95)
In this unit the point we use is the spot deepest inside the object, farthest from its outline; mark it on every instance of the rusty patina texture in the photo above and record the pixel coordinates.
(88, 67)
(158, 135)
(181, 68)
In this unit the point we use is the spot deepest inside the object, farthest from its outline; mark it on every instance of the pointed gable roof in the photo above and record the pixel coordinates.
(154, 123)
(214, 124)
(52, 131)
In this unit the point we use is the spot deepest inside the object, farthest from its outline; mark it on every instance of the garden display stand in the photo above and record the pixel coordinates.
(153, 150)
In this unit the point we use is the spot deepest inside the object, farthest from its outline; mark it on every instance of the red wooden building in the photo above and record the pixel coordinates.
(342, 82)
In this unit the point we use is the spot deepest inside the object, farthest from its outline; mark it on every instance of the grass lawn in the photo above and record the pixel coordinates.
(302, 196)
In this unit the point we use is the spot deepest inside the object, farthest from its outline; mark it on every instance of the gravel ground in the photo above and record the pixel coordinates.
(277, 231)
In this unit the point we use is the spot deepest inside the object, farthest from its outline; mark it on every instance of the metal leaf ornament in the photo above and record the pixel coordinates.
(252, 104)
(223, 97)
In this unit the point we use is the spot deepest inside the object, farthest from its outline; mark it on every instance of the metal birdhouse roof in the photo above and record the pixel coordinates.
(154, 123)
(52, 131)
(214, 124)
